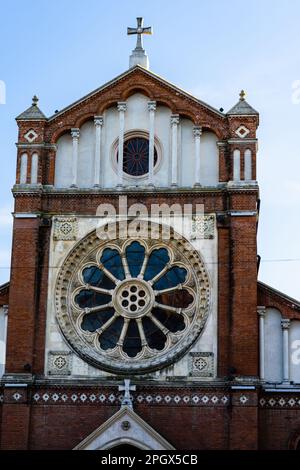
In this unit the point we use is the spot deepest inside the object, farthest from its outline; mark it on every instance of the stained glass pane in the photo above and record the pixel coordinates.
(171, 278)
(156, 262)
(111, 260)
(154, 336)
(173, 321)
(111, 335)
(88, 298)
(178, 298)
(136, 156)
(135, 254)
(132, 343)
(95, 277)
(92, 321)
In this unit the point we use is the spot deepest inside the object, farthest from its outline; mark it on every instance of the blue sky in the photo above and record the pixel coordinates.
(61, 50)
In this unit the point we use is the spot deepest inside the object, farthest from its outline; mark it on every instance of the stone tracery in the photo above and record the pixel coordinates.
(132, 305)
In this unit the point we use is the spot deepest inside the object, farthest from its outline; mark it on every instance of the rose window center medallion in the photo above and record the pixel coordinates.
(133, 298)
(132, 305)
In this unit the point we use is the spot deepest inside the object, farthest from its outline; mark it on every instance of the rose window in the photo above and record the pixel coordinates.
(133, 305)
(136, 156)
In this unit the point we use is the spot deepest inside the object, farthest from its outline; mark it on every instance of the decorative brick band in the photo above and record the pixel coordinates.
(280, 401)
(109, 397)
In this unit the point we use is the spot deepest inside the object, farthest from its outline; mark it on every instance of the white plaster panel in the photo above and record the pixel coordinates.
(162, 132)
(273, 346)
(63, 163)
(236, 165)
(209, 160)
(3, 324)
(23, 168)
(137, 114)
(136, 119)
(295, 351)
(248, 164)
(34, 168)
(86, 150)
(187, 157)
(55, 341)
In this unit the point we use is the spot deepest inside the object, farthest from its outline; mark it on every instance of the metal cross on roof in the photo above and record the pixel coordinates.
(139, 31)
(126, 388)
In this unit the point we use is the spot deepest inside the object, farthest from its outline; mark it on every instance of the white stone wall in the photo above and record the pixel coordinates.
(136, 120)
(55, 341)
(273, 347)
(295, 351)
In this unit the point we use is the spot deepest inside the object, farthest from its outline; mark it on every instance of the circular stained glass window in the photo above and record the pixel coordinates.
(132, 305)
(136, 156)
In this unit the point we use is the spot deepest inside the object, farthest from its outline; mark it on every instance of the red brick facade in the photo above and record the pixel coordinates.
(214, 416)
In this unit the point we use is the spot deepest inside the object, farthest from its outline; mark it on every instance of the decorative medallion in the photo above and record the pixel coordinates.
(242, 132)
(132, 305)
(31, 136)
(203, 226)
(201, 364)
(59, 362)
(65, 228)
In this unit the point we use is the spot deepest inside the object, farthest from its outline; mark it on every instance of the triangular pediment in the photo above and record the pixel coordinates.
(137, 72)
(138, 79)
(124, 427)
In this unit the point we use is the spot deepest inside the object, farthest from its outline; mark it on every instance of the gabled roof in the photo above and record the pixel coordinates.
(128, 72)
(33, 113)
(290, 301)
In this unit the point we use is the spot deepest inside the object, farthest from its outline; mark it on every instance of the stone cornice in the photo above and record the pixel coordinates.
(40, 145)
(242, 141)
(142, 192)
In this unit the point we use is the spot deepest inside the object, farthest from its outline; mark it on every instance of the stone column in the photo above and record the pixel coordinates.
(197, 137)
(285, 325)
(262, 314)
(152, 109)
(75, 136)
(174, 127)
(98, 121)
(121, 108)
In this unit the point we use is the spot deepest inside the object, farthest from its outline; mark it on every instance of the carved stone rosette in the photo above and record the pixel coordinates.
(93, 300)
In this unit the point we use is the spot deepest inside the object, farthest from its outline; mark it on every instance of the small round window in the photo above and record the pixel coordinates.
(136, 156)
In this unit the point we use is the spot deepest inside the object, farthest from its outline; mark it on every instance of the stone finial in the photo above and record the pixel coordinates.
(139, 56)
(242, 95)
(33, 113)
(35, 100)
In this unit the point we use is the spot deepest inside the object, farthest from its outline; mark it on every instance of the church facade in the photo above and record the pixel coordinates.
(133, 314)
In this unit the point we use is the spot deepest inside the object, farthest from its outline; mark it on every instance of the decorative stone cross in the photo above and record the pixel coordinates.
(139, 31)
(126, 388)
(242, 95)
